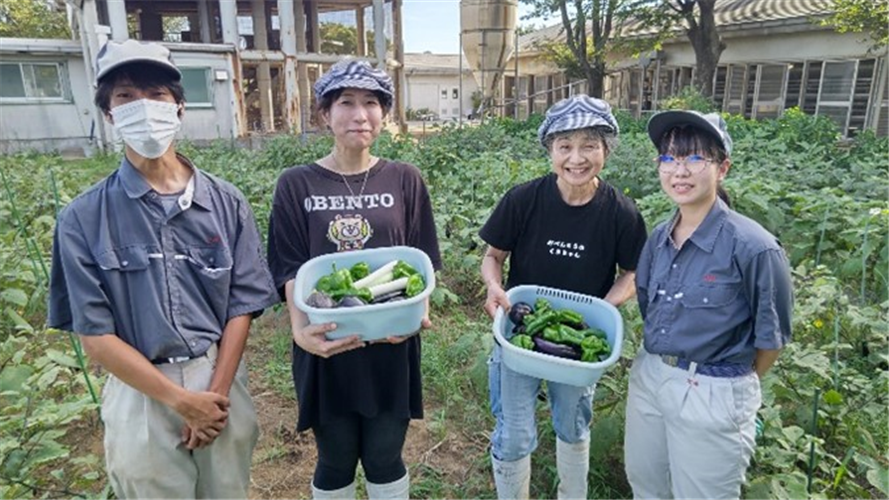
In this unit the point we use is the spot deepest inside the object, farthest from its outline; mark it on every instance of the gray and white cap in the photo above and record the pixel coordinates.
(711, 123)
(355, 74)
(116, 54)
(575, 113)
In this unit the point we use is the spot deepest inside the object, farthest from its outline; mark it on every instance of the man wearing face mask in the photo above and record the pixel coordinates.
(158, 269)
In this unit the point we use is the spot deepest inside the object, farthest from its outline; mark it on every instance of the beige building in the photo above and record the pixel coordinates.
(777, 56)
(439, 83)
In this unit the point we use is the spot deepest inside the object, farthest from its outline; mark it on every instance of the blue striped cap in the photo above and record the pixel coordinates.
(574, 113)
(355, 74)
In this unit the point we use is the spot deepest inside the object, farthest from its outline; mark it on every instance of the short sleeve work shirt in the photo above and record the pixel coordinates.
(165, 282)
(721, 297)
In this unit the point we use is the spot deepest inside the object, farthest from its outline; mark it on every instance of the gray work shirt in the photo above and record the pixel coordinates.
(165, 282)
(725, 294)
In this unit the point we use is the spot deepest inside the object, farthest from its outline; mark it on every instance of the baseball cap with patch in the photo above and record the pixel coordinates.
(116, 54)
(711, 123)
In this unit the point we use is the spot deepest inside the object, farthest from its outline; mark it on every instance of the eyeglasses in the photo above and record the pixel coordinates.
(667, 164)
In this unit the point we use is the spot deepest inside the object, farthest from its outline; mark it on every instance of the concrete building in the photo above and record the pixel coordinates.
(777, 56)
(248, 65)
(435, 83)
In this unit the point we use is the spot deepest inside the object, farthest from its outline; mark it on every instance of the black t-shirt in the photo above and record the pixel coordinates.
(315, 213)
(574, 248)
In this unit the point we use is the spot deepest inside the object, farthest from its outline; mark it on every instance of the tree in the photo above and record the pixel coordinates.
(705, 39)
(586, 53)
(862, 16)
(342, 39)
(33, 19)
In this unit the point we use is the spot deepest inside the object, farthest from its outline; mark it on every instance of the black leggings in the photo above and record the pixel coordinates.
(377, 441)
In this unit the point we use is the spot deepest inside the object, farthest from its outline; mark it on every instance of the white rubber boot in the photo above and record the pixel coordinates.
(346, 492)
(399, 488)
(513, 479)
(573, 463)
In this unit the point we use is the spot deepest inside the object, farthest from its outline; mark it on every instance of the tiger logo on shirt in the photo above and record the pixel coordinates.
(349, 232)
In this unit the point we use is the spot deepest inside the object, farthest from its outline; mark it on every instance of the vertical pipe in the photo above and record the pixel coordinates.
(263, 70)
(302, 72)
(292, 103)
(312, 14)
(88, 20)
(361, 32)
(117, 18)
(228, 17)
(380, 33)
(397, 33)
(460, 70)
(812, 444)
(515, 92)
(204, 20)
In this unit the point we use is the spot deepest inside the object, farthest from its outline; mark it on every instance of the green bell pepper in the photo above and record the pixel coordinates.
(415, 285)
(523, 341)
(359, 271)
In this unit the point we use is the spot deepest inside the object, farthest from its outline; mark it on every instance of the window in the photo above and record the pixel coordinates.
(735, 88)
(455, 94)
(444, 93)
(835, 98)
(32, 82)
(196, 82)
(770, 94)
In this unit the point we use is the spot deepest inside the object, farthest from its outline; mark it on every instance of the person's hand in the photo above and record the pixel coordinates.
(312, 339)
(191, 439)
(425, 324)
(205, 414)
(496, 298)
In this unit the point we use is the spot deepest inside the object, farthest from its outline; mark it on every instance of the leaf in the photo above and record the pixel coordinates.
(878, 477)
(15, 296)
(833, 397)
(793, 433)
(61, 358)
(843, 467)
(19, 322)
(12, 378)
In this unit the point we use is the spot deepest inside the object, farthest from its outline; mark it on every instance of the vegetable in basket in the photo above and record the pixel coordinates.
(558, 332)
(340, 288)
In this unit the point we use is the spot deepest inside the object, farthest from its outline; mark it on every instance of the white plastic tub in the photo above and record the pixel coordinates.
(596, 312)
(372, 321)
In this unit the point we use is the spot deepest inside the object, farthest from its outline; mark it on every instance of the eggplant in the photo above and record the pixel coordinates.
(350, 301)
(388, 297)
(560, 350)
(320, 300)
(518, 311)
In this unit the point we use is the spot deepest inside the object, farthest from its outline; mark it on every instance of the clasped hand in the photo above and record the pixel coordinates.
(313, 339)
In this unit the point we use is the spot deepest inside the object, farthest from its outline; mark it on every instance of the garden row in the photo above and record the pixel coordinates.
(824, 404)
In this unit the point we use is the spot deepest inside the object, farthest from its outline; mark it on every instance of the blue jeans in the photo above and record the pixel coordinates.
(513, 401)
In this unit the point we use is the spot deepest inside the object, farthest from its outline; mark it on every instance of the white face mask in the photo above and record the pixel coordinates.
(147, 126)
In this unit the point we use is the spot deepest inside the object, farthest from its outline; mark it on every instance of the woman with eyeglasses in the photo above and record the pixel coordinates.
(715, 295)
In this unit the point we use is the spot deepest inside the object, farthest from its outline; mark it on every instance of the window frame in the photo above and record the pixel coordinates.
(63, 80)
(211, 103)
(844, 127)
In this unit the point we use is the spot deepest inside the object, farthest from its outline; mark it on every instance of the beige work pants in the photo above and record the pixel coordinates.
(144, 453)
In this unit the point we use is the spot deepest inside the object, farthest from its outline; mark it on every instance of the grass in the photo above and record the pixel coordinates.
(455, 375)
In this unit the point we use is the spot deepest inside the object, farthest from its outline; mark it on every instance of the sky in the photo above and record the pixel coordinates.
(434, 25)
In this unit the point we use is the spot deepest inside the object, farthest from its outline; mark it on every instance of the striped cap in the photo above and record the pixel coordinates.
(711, 123)
(574, 113)
(355, 74)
